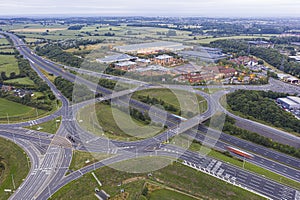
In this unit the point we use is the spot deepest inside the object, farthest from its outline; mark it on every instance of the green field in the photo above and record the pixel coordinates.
(82, 158)
(4, 41)
(17, 112)
(184, 101)
(48, 127)
(109, 120)
(175, 176)
(12, 109)
(16, 166)
(8, 64)
(168, 194)
(23, 81)
(248, 166)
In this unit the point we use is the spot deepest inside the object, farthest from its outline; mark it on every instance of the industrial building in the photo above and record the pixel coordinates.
(205, 54)
(116, 58)
(152, 47)
(291, 102)
(126, 65)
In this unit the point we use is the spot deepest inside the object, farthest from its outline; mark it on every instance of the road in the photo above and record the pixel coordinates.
(54, 164)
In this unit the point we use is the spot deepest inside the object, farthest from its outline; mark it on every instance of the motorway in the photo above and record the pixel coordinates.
(54, 164)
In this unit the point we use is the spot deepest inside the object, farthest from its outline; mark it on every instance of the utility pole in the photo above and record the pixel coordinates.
(13, 181)
(7, 118)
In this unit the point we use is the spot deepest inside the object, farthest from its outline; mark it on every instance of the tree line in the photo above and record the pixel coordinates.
(231, 129)
(54, 52)
(261, 105)
(67, 88)
(152, 101)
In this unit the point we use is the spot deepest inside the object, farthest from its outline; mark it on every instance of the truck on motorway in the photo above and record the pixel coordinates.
(239, 152)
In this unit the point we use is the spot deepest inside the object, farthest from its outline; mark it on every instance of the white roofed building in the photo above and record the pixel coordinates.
(116, 58)
(151, 47)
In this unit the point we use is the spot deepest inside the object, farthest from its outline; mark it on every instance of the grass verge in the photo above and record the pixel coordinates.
(181, 179)
(248, 166)
(103, 120)
(16, 167)
(48, 127)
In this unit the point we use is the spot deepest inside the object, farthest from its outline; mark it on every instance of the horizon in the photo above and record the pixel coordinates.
(155, 8)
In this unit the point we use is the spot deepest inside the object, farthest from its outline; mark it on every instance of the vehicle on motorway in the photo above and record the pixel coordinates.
(239, 152)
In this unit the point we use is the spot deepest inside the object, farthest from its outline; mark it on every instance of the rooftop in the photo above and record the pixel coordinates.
(150, 45)
(288, 101)
(294, 99)
(162, 57)
(115, 58)
(126, 63)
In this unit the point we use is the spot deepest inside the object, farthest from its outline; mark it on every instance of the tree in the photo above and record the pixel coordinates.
(3, 76)
(260, 62)
(12, 75)
(145, 191)
(293, 53)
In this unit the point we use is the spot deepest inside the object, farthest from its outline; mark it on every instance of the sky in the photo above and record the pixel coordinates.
(180, 8)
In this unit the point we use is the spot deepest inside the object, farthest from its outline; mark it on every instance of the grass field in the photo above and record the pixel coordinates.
(16, 166)
(180, 99)
(8, 64)
(48, 127)
(82, 158)
(248, 166)
(109, 120)
(12, 108)
(23, 81)
(38, 30)
(175, 176)
(168, 194)
(4, 41)
(17, 112)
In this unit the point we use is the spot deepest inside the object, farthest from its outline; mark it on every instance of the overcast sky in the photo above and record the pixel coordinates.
(209, 8)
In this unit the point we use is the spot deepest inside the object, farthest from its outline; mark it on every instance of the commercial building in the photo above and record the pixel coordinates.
(163, 60)
(205, 54)
(288, 78)
(259, 43)
(296, 58)
(291, 102)
(245, 60)
(125, 66)
(152, 47)
(115, 58)
(197, 77)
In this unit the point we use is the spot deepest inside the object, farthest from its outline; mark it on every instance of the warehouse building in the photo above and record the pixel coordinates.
(205, 54)
(291, 102)
(116, 58)
(152, 47)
